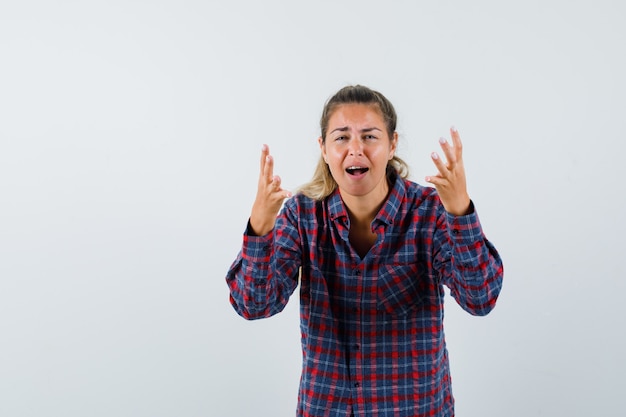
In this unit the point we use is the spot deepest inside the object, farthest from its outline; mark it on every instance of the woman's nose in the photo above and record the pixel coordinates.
(356, 147)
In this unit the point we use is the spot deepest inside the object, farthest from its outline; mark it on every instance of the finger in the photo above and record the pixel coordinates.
(436, 180)
(448, 151)
(265, 150)
(439, 163)
(276, 188)
(268, 172)
(456, 141)
(276, 182)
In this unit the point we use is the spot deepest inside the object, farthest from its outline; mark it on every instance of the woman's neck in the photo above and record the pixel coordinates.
(363, 209)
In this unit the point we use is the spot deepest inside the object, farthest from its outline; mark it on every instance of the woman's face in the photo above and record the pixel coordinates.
(357, 149)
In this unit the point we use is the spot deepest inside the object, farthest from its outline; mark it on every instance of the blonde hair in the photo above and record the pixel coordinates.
(323, 184)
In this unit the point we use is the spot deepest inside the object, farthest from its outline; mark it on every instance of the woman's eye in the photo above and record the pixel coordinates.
(340, 138)
(370, 137)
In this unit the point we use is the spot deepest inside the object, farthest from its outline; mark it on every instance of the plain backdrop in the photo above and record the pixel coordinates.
(130, 136)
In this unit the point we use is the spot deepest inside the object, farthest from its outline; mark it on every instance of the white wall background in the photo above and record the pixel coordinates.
(129, 143)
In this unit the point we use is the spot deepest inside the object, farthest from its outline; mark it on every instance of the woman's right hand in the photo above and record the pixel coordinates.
(269, 197)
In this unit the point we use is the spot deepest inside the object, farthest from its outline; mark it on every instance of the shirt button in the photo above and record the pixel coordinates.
(356, 347)
(356, 384)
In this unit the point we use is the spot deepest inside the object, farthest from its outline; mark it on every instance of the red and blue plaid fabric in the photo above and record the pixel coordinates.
(372, 329)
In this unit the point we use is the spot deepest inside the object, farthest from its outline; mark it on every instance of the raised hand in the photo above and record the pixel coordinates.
(269, 197)
(450, 180)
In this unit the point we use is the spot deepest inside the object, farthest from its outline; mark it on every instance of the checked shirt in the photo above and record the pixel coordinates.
(372, 329)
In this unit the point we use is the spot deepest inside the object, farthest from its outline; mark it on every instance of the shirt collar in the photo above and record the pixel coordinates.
(388, 211)
(391, 206)
(336, 208)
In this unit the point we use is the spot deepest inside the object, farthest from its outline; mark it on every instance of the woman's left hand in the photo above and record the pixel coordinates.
(450, 180)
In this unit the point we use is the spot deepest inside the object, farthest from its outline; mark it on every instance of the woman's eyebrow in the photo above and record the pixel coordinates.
(340, 129)
(369, 129)
(345, 129)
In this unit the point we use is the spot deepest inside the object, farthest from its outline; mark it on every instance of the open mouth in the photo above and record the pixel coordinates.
(354, 170)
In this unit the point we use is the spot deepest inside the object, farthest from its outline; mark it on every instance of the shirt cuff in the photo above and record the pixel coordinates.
(256, 248)
(464, 229)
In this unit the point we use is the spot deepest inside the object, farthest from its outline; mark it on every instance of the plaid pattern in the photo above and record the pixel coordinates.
(372, 328)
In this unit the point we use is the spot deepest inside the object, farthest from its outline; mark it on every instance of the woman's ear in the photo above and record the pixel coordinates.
(394, 145)
(320, 140)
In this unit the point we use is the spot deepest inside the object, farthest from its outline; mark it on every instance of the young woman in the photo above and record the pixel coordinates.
(372, 251)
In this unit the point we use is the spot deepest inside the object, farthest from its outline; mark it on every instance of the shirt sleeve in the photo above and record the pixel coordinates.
(468, 263)
(264, 274)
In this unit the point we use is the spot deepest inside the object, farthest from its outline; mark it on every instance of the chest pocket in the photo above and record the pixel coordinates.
(401, 288)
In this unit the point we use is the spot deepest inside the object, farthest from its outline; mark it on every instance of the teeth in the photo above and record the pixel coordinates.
(356, 169)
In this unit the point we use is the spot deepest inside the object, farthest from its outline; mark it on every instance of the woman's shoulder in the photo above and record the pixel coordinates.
(302, 205)
(419, 193)
(301, 200)
(304, 211)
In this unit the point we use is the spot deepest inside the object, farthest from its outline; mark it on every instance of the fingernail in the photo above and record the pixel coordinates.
(452, 128)
(434, 155)
(442, 140)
